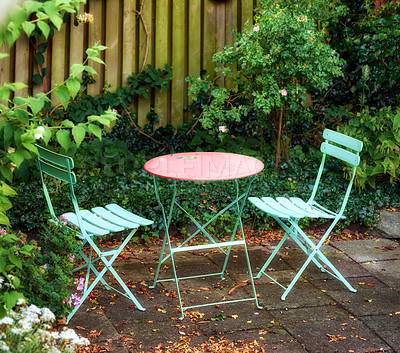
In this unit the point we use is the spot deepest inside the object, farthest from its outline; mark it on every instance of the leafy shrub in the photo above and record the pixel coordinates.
(366, 37)
(14, 253)
(47, 276)
(29, 329)
(272, 66)
(380, 132)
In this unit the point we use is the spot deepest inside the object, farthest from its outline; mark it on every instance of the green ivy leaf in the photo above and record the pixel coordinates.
(96, 59)
(78, 132)
(63, 139)
(17, 157)
(63, 94)
(15, 260)
(67, 123)
(76, 69)
(35, 104)
(22, 116)
(73, 85)
(28, 27)
(95, 130)
(11, 298)
(6, 173)
(45, 28)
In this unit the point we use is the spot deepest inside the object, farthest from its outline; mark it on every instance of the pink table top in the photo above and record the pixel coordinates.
(204, 166)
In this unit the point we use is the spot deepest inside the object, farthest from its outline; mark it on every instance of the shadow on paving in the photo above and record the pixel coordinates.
(319, 315)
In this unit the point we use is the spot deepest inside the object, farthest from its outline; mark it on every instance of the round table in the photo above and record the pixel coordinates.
(203, 166)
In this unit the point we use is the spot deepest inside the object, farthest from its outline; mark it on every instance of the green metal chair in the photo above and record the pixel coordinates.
(288, 211)
(88, 225)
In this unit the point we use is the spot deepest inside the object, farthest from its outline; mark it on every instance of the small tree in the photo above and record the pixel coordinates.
(272, 66)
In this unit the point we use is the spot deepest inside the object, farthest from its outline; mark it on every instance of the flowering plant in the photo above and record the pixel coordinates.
(272, 67)
(28, 329)
(47, 276)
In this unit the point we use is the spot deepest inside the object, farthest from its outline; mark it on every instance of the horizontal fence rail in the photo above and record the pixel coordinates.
(182, 33)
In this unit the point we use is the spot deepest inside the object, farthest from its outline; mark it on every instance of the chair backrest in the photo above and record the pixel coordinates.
(59, 167)
(341, 147)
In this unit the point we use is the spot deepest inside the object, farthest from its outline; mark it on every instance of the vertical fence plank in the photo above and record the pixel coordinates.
(77, 43)
(231, 23)
(4, 68)
(95, 36)
(209, 37)
(129, 40)
(220, 32)
(161, 48)
(178, 62)
(58, 60)
(113, 42)
(145, 53)
(22, 64)
(194, 45)
(247, 12)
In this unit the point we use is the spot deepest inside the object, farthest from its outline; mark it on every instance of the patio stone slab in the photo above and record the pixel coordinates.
(387, 271)
(372, 297)
(335, 333)
(369, 249)
(387, 326)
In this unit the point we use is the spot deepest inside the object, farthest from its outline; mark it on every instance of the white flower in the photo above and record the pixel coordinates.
(40, 134)
(21, 301)
(47, 315)
(69, 335)
(81, 341)
(34, 309)
(17, 331)
(55, 335)
(6, 321)
(4, 346)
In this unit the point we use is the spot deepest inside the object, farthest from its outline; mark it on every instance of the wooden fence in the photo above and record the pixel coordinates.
(183, 33)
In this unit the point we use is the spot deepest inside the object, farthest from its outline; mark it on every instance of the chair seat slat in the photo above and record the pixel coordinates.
(208, 246)
(313, 211)
(100, 222)
(266, 208)
(90, 228)
(277, 206)
(113, 218)
(121, 212)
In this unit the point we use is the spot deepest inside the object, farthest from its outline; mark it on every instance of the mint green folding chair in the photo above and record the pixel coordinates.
(88, 225)
(288, 211)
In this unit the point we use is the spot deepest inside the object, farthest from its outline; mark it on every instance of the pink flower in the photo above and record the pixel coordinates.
(45, 266)
(222, 128)
(283, 92)
(309, 31)
(80, 283)
(256, 28)
(3, 231)
(63, 220)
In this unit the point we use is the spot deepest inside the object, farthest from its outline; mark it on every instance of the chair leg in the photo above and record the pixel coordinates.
(271, 257)
(99, 276)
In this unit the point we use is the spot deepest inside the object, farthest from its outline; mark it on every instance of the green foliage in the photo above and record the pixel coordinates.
(121, 100)
(13, 254)
(47, 276)
(365, 37)
(24, 119)
(380, 132)
(272, 66)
